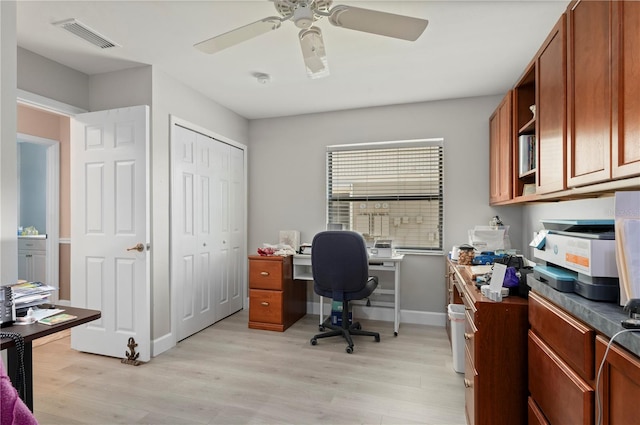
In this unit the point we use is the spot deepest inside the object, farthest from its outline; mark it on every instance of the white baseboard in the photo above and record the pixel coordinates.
(162, 344)
(428, 318)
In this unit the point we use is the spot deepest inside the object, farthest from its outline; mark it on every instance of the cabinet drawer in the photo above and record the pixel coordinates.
(470, 383)
(265, 274)
(470, 332)
(561, 394)
(534, 414)
(28, 244)
(265, 306)
(572, 340)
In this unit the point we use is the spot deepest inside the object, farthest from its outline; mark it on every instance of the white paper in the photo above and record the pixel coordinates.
(497, 277)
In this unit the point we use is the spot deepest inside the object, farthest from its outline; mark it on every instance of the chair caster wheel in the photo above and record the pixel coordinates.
(314, 341)
(395, 334)
(321, 328)
(377, 338)
(358, 326)
(349, 349)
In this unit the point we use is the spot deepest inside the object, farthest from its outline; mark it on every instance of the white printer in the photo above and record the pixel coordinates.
(580, 257)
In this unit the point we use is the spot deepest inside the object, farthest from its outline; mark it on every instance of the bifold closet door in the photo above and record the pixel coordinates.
(231, 200)
(207, 230)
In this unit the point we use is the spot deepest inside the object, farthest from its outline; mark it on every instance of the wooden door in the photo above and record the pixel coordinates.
(625, 155)
(589, 86)
(109, 217)
(500, 148)
(619, 387)
(551, 110)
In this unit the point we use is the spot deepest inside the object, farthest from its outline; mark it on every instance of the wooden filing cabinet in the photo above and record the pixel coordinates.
(276, 301)
(495, 373)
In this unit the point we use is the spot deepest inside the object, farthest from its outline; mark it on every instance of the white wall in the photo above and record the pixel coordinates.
(8, 145)
(120, 89)
(287, 177)
(51, 79)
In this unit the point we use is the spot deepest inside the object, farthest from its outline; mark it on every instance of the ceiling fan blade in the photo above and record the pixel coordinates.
(376, 22)
(315, 58)
(238, 35)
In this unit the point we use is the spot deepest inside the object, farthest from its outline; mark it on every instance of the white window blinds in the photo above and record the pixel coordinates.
(388, 190)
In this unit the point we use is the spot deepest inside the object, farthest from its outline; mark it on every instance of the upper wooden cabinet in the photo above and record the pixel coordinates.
(589, 83)
(603, 140)
(625, 136)
(524, 151)
(501, 164)
(551, 98)
(585, 84)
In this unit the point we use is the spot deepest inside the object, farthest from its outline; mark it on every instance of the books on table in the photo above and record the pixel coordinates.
(58, 318)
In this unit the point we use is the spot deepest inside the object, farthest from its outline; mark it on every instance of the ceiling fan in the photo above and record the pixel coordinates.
(304, 13)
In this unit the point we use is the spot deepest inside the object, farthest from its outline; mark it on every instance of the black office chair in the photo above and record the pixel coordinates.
(341, 272)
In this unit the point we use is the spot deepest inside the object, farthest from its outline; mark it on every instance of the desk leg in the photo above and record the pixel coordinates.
(26, 394)
(396, 300)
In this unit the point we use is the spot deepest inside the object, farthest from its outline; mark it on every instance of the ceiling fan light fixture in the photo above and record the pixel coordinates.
(315, 58)
(303, 16)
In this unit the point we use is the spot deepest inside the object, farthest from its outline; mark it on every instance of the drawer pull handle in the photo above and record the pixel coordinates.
(264, 303)
(468, 336)
(264, 273)
(467, 383)
(467, 308)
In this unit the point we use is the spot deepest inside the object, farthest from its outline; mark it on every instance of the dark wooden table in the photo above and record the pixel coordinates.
(31, 333)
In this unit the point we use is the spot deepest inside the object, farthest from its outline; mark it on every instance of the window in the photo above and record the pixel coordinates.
(388, 190)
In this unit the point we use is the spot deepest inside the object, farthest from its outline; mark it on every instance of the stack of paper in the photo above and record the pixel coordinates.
(31, 294)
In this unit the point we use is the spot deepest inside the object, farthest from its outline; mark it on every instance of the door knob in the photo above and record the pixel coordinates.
(139, 247)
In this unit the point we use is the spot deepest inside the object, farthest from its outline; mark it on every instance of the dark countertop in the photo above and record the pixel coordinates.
(604, 317)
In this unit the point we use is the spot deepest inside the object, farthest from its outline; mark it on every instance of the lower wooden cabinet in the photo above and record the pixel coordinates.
(564, 358)
(276, 301)
(495, 374)
(619, 387)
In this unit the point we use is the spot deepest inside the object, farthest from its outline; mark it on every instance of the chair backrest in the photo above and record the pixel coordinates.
(340, 263)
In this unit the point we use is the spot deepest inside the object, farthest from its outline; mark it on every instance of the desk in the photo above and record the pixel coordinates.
(31, 333)
(302, 271)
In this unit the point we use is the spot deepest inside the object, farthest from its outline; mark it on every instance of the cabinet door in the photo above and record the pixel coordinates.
(551, 110)
(500, 164)
(619, 387)
(625, 157)
(24, 260)
(589, 75)
(38, 267)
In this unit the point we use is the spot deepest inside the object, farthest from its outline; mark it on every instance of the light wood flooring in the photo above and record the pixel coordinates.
(229, 374)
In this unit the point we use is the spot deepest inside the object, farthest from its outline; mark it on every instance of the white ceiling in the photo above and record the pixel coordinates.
(470, 48)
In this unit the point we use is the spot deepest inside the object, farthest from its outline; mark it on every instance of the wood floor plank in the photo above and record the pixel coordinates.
(229, 374)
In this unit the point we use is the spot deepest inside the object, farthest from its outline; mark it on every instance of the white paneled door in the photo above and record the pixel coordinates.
(207, 229)
(110, 230)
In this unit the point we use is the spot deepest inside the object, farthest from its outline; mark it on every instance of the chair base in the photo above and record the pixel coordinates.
(346, 330)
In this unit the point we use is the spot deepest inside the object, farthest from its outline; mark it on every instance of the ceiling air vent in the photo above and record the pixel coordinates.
(81, 30)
